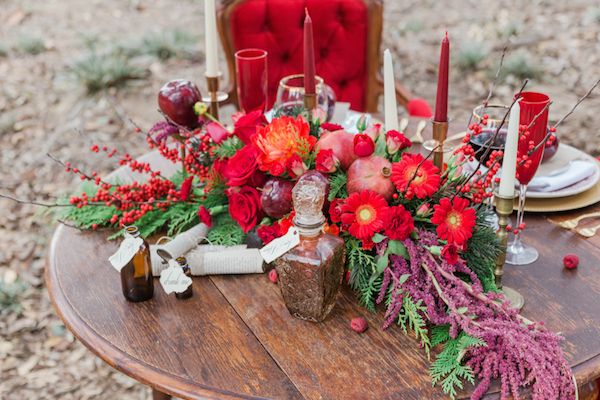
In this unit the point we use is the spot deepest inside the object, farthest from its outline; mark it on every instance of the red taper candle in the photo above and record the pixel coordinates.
(441, 101)
(309, 56)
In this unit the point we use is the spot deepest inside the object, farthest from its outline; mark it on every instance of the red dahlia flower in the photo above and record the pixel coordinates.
(426, 181)
(279, 141)
(399, 223)
(455, 220)
(364, 212)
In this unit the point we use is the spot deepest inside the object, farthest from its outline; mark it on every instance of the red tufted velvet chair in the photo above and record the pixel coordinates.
(347, 36)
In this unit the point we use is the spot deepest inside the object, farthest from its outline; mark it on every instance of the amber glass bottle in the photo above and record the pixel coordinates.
(310, 274)
(188, 272)
(136, 276)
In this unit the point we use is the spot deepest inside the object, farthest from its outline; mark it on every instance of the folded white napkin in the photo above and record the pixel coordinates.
(575, 171)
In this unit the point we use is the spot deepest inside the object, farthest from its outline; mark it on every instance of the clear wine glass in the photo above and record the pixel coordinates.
(532, 104)
(290, 96)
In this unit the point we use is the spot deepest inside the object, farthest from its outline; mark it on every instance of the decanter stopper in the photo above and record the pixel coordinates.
(308, 197)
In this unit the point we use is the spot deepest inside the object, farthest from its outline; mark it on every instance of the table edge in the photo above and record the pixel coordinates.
(117, 359)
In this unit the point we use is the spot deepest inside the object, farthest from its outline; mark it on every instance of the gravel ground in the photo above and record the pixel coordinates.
(45, 109)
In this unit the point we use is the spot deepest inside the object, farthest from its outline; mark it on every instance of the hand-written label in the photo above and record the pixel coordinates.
(278, 247)
(173, 279)
(126, 251)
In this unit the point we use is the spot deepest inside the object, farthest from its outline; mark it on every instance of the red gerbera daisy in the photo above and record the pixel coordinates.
(364, 213)
(426, 181)
(399, 223)
(455, 220)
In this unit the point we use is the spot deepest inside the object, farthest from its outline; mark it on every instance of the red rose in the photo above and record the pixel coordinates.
(399, 224)
(571, 261)
(450, 253)
(335, 210)
(216, 132)
(295, 166)
(326, 161)
(364, 146)
(186, 188)
(268, 233)
(241, 166)
(257, 179)
(244, 206)
(245, 126)
(218, 169)
(328, 126)
(204, 216)
(396, 141)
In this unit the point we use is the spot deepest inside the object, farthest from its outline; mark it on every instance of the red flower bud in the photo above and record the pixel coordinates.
(273, 275)
(364, 146)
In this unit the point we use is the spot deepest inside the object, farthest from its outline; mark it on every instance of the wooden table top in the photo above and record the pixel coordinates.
(235, 338)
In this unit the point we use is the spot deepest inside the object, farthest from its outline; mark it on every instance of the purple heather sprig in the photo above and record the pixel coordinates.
(519, 352)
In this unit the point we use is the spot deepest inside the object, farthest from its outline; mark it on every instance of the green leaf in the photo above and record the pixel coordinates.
(462, 310)
(378, 238)
(435, 250)
(403, 278)
(380, 146)
(397, 248)
(382, 263)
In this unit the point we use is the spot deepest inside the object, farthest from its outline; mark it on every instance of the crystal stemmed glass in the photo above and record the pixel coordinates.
(532, 104)
(251, 74)
(290, 96)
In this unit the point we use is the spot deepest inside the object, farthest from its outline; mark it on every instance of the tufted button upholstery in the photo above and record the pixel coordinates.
(340, 35)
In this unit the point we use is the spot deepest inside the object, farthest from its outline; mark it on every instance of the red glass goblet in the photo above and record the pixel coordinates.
(251, 73)
(534, 112)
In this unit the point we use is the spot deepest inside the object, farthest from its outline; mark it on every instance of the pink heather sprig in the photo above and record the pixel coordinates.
(518, 352)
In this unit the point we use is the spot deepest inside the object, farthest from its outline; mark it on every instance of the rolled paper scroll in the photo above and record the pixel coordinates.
(177, 247)
(220, 260)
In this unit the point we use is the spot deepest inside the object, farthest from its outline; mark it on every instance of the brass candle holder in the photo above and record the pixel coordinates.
(310, 101)
(214, 95)
(504, 208)
(440, 131)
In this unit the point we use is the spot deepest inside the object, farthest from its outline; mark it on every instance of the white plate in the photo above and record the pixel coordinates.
(563, 156)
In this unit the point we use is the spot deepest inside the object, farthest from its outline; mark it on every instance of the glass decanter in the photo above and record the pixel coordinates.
(310, 274)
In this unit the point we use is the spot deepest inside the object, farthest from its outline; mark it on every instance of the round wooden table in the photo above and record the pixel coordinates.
(235, 339)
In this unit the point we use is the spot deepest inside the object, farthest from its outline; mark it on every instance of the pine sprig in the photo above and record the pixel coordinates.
(411, 317)
(337, 186)
(184, 217)
(483, 248)
(447, 367)
(363, 273)
(225, 231)
(228, 147)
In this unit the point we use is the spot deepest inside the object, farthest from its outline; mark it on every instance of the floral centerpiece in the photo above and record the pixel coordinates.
(417, 241)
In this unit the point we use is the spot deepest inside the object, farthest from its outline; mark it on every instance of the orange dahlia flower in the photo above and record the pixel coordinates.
(280, 140)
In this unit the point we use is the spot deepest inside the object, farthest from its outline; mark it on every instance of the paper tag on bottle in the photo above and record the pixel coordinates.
(126, 251)
(278, 247)
(173, 279)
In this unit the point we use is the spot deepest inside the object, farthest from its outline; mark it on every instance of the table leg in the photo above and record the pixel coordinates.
(156, 395)
(589, 391)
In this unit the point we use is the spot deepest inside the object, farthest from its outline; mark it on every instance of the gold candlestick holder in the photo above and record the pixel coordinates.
(310, 101)
(214, 95)
(504, 208)
(440, 131)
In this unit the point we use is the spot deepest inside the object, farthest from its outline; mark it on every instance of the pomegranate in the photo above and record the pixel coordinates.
(276, 198)
(342, 144)
(176, 99)
(371, 173)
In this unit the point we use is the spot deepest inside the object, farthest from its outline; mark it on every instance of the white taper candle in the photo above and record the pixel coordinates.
(509, 163)
(210, 36)
(389, 92)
